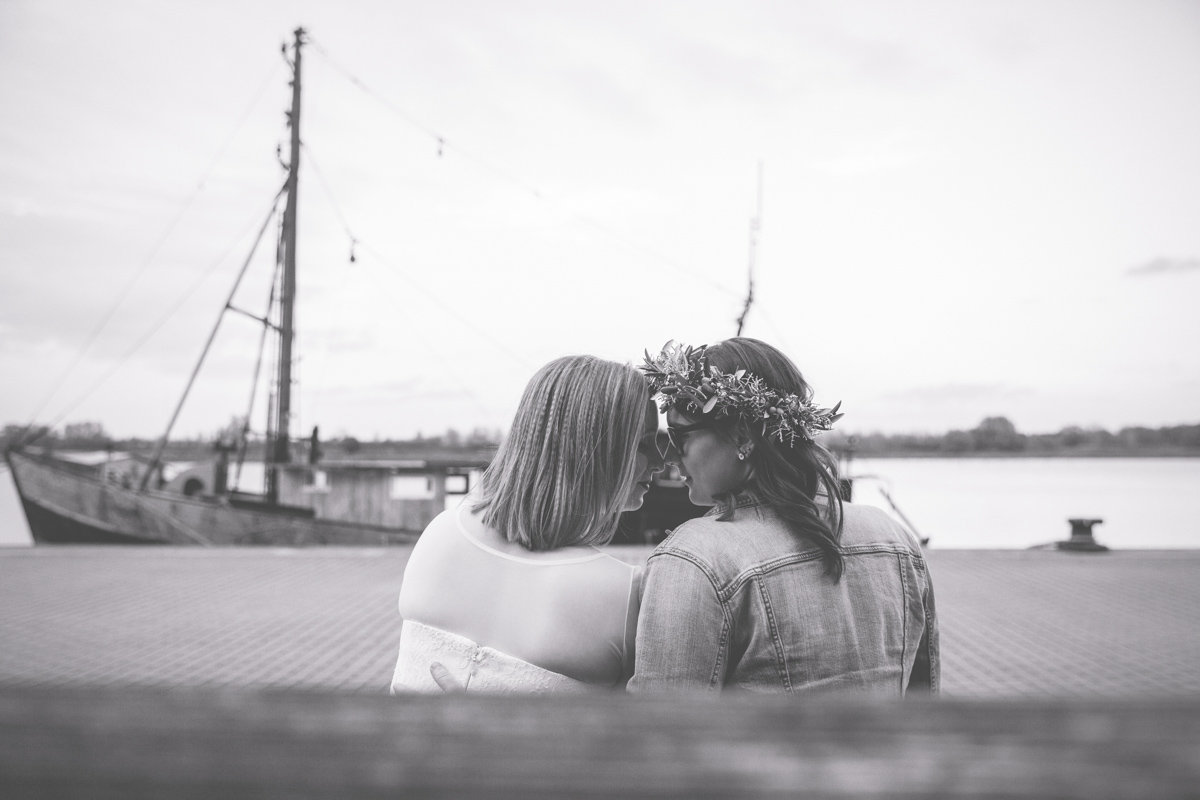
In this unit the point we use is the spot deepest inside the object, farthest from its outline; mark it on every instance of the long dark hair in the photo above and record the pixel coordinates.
(785, 478)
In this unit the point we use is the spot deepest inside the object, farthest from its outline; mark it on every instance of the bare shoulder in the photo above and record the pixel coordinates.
(614, 570)
(439, 528)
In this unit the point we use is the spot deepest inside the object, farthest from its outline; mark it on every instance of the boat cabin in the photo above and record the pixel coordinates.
(397, 493)
(114, 467)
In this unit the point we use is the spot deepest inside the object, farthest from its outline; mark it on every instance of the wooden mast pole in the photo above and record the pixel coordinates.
(280, 450)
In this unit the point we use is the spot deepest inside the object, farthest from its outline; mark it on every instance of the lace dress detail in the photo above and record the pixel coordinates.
(478, 668)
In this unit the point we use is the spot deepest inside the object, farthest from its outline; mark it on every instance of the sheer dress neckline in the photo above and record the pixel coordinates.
(534, 559)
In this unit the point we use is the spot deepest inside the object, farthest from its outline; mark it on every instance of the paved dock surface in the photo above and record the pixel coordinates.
(1013, 623)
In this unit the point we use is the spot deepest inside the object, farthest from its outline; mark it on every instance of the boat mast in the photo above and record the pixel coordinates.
(279, 447)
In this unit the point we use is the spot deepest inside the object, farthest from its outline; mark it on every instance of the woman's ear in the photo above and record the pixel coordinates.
(743, 439)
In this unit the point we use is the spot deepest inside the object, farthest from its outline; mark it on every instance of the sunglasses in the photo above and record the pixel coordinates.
(674, 437)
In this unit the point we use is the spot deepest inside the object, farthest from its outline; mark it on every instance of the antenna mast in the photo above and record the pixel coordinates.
(755, 226)
(279, 444)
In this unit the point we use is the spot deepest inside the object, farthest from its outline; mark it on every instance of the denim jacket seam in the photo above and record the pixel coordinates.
(727, 588)
(773, 564)
(722, 648)
(693, 559)
(743, 502)
(723, 642)
(776, 639)
(723, 590)
(765, 568)
(933, 643)
(933, 650)
(904, 624)
(867, 549)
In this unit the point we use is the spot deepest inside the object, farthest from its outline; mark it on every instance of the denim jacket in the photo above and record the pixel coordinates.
(745, 603)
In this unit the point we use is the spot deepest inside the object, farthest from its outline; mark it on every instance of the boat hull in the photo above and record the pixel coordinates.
(64, 506)
(51, 527)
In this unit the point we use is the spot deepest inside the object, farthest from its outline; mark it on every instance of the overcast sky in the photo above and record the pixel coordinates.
(969, 208)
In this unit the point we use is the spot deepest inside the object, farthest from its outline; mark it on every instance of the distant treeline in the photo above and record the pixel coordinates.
(92, 436)
(998, 436)
(993, 436)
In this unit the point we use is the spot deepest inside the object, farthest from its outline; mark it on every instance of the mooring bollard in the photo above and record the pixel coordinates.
(1081, 537)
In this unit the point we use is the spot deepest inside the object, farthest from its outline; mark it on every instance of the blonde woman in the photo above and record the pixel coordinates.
(509, 593)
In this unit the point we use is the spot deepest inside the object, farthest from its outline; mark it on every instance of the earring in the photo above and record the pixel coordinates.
(741, 455)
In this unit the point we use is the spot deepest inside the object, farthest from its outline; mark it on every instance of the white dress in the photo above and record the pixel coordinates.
(501, 618)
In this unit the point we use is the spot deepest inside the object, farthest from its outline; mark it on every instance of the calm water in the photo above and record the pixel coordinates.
(1020, 502)
(977, 503)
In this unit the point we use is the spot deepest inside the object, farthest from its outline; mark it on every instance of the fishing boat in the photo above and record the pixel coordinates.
(312, 502)
(305, 500)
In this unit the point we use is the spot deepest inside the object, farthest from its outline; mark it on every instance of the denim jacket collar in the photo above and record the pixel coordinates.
(742, 500)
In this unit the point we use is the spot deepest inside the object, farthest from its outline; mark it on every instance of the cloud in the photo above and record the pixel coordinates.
(893, 64)
(896, 149)
(710, 70)
(867, 162)
(1008, 41)
(396, 391)
(1165, 266)
(956, 393)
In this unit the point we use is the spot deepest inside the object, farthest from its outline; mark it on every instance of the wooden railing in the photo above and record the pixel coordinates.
(142, 743)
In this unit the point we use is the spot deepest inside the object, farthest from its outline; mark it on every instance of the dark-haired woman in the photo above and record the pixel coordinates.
(781, 586)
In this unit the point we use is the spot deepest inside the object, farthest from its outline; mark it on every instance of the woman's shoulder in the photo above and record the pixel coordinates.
(723, 547)
(438, 535)
(693, 533)
(601, 582)
(753, 535)
(471, 531)
(458, 540)
(431, 557)
(865, 526)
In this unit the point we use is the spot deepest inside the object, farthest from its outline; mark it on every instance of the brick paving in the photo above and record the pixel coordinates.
(1013, 623)
(1036, 623)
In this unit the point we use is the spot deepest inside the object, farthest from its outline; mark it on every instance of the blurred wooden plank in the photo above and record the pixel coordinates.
(133, 743)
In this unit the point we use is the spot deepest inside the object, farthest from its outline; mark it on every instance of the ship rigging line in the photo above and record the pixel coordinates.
(153, 254)
(157, 325)
(783, 342)
(479, 405)
(337, 209)
(407, 278)
(755, 228)
(465, 320)
(243, 438)
(444, 144)
(162, 443)
(442, 359)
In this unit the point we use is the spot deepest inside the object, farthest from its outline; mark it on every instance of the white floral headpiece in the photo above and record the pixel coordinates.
(681, 375)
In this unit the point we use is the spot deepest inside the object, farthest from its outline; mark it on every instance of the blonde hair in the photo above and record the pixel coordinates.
(563, 473)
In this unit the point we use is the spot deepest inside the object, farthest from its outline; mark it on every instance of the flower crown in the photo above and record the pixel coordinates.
(682, 375)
